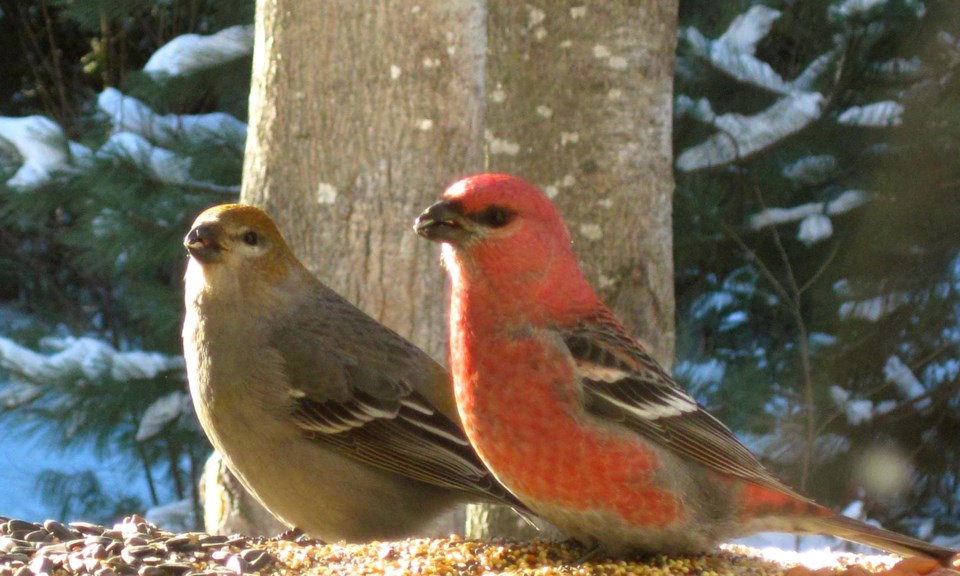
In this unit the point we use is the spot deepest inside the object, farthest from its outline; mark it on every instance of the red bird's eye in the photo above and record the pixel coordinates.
(494, 217)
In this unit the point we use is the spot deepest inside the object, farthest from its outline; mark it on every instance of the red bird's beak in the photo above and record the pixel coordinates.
(442, 222)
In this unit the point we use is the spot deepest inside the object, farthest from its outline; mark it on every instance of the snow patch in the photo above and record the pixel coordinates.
(701, 374)
(843, 203)
(164, 165)
(821, 340)
(749, 28)
(907, 384)
(732, 321)
(856, 411)
(710, 302)
(811, 170)
(131, 115)
(190, 53)
(877, 115)
(733, 53)
(849, 8)
(86, 357)
(814, 228)
(163, 411)
(871, 309)
(39, 145)
(740, 136)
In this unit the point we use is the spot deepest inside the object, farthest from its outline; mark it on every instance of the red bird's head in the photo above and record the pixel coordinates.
(504, 232)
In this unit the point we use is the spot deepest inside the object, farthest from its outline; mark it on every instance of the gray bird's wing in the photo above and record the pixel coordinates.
(357, 387)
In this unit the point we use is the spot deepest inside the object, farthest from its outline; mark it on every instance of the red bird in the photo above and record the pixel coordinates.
(574, 416)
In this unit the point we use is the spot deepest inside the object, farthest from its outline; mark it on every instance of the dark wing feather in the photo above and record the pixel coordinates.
(365, 391)
(623, 383)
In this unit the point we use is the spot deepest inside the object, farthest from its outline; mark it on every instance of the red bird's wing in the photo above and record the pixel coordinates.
(623, 383)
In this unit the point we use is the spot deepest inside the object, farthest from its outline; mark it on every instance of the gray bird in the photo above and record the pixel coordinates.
(336, 424)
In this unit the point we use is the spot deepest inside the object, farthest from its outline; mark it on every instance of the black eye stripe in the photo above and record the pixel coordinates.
(494, 217)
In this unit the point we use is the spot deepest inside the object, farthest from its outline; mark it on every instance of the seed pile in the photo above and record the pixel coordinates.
(135, 547)
(454, 556)
(132, 547)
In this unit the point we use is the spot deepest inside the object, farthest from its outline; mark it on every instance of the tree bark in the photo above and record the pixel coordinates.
(228, 508)
(361, 114)
(579, 101)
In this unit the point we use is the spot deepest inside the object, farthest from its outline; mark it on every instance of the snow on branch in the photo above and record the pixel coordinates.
(700, 375)
(161, 163)
(849, 8)
(858, 411)
(815, 224)
(162, 412)
(733, 53)
(190, 53)
(804, 82)
(905, 381)
(843, 203)
(872, 309)
(814, 228)
(741, 136)
(811, 170)
(876, 115)
(41, 148)
(859, 8)
(899, 69)
(131, 115)
(82, 357)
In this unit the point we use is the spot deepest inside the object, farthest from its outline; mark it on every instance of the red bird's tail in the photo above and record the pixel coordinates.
(798, 514)
(862, 533)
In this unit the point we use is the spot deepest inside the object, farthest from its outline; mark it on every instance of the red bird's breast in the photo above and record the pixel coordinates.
(520, 403)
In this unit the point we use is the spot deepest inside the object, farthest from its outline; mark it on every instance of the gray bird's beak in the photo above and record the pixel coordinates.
(201, 242)
(443, 222)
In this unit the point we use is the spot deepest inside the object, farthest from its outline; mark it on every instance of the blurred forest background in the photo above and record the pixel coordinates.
(816, 232)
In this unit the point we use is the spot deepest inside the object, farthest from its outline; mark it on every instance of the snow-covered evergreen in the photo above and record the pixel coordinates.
(807, 144)
(96, 192)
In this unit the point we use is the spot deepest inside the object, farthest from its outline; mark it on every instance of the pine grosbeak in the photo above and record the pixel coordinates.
(338, 425)
(574, 416)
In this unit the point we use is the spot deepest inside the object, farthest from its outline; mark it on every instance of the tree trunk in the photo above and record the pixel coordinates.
(579, 101)
(228, 508)
(361, 113)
